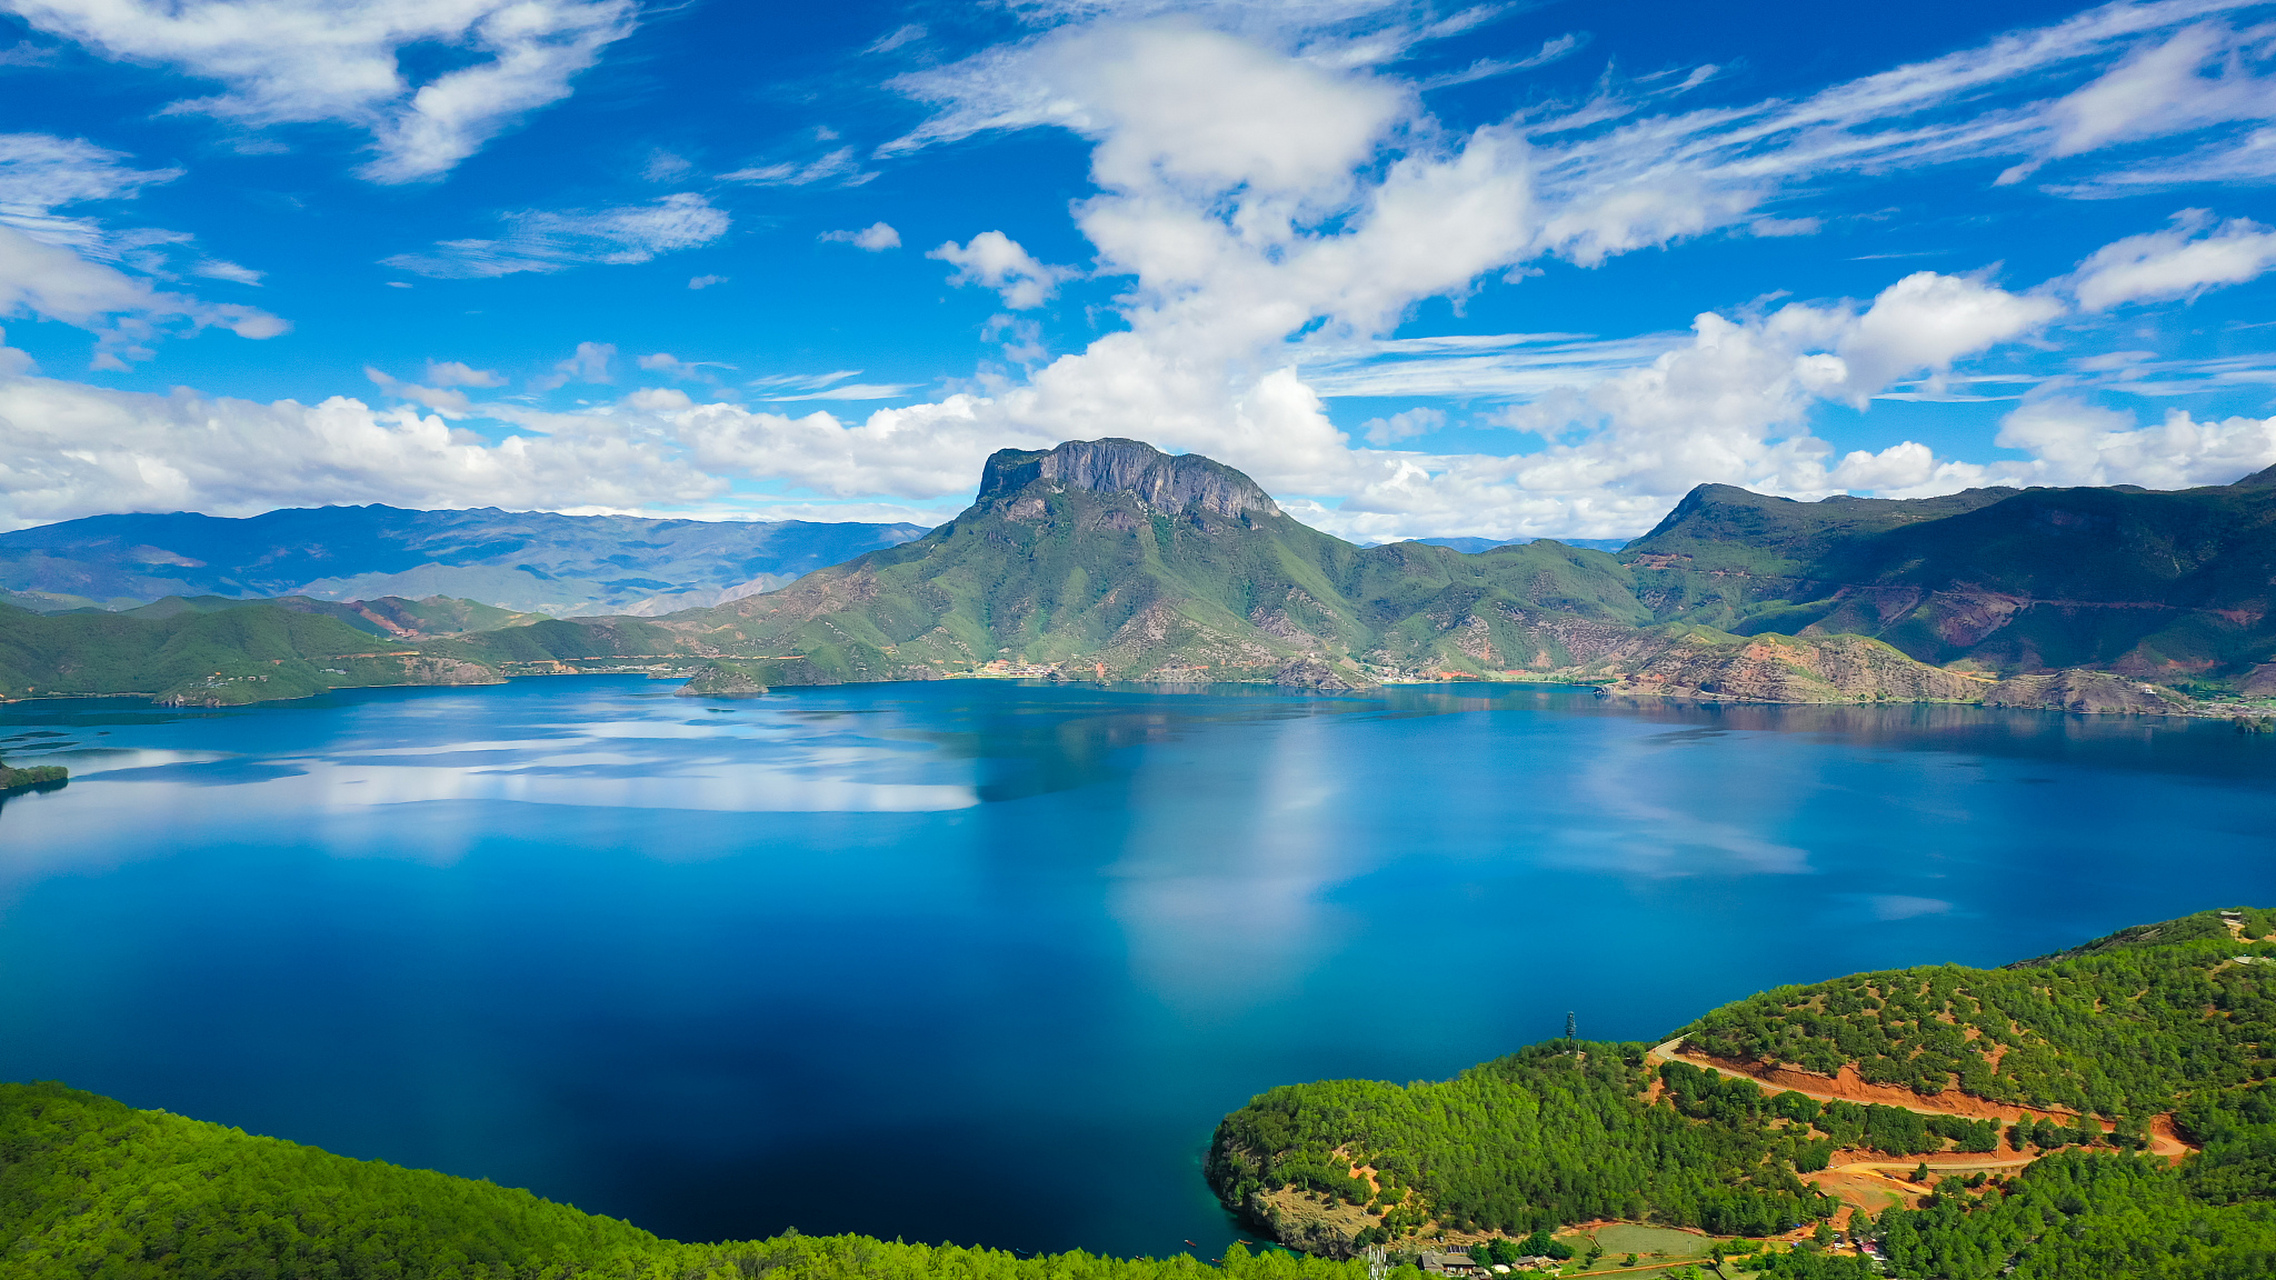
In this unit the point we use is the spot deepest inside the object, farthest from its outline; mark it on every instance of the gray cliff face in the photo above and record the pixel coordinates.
(1161, 481)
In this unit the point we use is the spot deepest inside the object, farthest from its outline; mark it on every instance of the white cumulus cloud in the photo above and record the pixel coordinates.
(2074, 443)
(876, 237)
(70, 450)
(996, 261)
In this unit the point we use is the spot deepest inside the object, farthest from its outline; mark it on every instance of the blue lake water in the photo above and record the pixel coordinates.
(986, 962)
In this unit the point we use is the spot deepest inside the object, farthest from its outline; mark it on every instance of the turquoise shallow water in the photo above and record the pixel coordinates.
(986, 962)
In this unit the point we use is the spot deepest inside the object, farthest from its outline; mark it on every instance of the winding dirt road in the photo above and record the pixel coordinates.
(2163, 1140)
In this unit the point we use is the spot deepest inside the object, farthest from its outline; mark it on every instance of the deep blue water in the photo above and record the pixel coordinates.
(986, 962)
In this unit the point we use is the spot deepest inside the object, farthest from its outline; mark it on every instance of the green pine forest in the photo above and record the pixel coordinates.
(2118, 1027)
(2170, 1018)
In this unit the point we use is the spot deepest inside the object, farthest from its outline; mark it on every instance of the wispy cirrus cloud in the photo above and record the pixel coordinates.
(1493, 366)
(42, 171)
(1556, 49)
(781, 388)
(42, 174)
(75, 269)
(2196, 253)
(555, 240)
(838, 167)
(304, 61)
(671, 366)
(1624, 179)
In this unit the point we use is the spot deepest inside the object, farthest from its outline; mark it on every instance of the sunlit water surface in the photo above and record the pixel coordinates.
(986, 962)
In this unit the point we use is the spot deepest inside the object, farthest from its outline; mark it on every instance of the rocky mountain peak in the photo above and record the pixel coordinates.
(1162, 481)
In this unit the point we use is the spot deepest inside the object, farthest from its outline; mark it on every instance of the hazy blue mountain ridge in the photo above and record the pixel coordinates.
(530, 562)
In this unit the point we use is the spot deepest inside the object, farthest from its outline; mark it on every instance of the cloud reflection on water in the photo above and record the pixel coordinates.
(1619, 828)
(1222, 895)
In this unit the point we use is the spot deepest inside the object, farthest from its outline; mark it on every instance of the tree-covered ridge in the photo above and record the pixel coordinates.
(245, 653)
(1994, 579)
(2123, 1027)
(2081, 1216)
(87, 1183)
(91, 1187)
(1552, 1135)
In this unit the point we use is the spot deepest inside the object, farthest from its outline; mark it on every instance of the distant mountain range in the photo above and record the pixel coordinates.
(524, 561)
(1109, 560)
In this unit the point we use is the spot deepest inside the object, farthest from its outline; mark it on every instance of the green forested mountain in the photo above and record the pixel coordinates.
(388, 618)
(2170, 586)
(2171, 1019)
(92, 1188)
(209, 655)
(1108, 557)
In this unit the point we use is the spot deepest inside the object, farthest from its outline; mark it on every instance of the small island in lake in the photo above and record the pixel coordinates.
(39, 777)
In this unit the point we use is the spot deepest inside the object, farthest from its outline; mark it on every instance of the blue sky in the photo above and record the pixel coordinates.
(1506, 269)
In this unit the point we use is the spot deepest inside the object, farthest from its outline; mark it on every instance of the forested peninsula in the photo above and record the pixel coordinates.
(2099, 1114)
